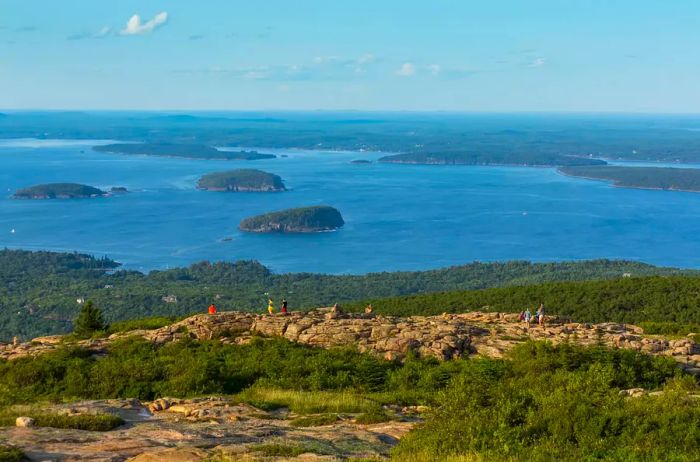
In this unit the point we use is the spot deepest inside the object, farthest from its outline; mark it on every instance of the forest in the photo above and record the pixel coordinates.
(39, 290)
(675, 179)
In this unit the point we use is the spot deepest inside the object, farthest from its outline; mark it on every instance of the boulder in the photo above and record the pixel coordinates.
(24, 422)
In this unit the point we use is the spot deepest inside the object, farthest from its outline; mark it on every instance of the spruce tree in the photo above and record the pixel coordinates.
(89, 320)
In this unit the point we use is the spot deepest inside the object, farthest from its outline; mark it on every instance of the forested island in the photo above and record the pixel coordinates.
(299, 220)
(526, 159)
(241, 180)
(58, 191)
(192, 151)
(360, 162)
(665, 178)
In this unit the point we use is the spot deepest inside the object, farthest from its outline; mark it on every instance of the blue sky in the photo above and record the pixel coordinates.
(457, 55)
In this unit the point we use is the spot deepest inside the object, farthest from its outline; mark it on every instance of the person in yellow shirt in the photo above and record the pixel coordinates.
(270, 306)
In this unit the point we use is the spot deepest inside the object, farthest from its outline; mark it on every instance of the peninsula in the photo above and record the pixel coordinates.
(524, 159)
(299, 220)
(664, 178)
(58, 191)
(192, 151)
(241, 180)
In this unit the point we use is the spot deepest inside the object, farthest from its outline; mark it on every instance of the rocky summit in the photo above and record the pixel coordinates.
(444, 337)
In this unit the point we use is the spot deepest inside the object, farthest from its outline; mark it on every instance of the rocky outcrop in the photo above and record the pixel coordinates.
(443, 337)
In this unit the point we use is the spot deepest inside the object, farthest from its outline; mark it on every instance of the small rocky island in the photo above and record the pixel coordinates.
(241, 180)
(360, 162)
(58, 191)
(299, 220)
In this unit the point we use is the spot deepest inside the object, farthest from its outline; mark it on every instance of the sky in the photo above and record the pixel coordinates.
(424, 55)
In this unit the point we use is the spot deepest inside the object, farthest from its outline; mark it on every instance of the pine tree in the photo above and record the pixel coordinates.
(89, 320)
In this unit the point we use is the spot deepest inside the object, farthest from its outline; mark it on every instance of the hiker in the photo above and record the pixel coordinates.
(284, 306)
(540, 315)
(521, 316)
(270, 306)
(528, 317)
(212, 309)
(369, 309)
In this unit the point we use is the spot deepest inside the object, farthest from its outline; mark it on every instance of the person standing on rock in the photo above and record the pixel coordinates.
(284, 306)
(270, 306)
(540, 315)
(212, 309)
(528, 317)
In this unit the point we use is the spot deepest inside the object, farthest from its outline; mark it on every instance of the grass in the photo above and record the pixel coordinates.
(151, 323)
(314, 420)
(280, 449)
(10, 454)
(307, 402)
(91, 422)
(373, 417)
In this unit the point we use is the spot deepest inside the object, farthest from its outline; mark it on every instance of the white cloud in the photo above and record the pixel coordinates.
(135, 27)
(102, 33)
(434, 69)
(537, 62)
(406, 70)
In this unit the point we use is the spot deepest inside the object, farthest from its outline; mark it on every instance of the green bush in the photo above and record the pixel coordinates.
(561, 403)
(10, 454)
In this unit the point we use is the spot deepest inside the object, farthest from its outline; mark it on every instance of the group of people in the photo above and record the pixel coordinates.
(271, 306)
(527, 318)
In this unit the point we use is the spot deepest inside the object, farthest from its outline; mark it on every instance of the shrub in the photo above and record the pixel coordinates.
(11, 454)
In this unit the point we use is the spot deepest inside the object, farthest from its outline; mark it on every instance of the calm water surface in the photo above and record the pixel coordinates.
(398, 216)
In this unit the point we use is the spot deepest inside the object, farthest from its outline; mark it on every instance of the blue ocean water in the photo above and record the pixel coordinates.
(397, 217)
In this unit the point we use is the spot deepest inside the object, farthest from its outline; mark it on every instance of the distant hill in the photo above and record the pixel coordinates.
(299, 220)
(241, 180)
(193, 151)
(667, 178)
(38, 290)
(58, 191)
(528, 159)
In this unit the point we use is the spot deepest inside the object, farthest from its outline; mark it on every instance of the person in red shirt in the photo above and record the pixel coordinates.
(284, 306)
(212, 309)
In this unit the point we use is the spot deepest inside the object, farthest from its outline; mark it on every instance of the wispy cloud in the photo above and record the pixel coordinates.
(135, 26)
(102, 33)
(319, 68)
(537, 62)
(196, 37)
(406, 70)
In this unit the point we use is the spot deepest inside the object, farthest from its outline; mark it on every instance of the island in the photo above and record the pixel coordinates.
(522, 159)
(118, 190)
(247, 180)
(360, 162)
(664, 178)
(299, 220)
(192, 151)
(58, 191)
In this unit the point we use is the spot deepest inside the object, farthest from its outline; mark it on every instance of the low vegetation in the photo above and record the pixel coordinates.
(314, 420)
(561, 403)
(11, 454)
(93, 422)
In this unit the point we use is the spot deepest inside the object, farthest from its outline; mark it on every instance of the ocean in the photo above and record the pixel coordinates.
(398, 217)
